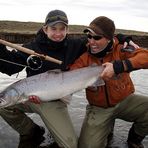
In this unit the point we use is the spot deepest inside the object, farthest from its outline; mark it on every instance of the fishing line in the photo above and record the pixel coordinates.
(25, 66)
(13, 63)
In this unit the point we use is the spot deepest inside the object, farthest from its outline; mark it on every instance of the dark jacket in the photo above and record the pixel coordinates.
(67, 51)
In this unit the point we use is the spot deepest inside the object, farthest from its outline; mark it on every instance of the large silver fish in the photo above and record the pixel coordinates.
(50, 85)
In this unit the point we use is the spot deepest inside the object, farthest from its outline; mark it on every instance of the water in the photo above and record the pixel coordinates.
(9, 138)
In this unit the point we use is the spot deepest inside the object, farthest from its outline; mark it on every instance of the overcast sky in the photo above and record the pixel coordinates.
(127, 14)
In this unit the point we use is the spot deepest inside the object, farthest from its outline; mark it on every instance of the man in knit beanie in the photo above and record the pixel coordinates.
(116, 98)
(102, 26)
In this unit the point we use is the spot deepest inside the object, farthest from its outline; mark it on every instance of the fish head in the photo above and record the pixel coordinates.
(8, 97)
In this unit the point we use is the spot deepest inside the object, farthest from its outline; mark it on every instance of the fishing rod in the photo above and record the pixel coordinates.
(30, 52)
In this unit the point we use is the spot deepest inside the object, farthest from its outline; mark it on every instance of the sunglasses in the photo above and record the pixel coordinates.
(95, 37)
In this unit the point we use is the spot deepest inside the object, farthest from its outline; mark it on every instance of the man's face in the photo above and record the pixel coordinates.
(97, 42)
(56, 32)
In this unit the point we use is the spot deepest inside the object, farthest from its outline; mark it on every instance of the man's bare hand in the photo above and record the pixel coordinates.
(108, 71)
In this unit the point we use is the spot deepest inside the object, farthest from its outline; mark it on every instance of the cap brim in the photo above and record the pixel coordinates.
(53, 23)
(88, 30)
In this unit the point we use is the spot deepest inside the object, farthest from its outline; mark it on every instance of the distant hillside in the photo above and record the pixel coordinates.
(23, 32)
(32, 27)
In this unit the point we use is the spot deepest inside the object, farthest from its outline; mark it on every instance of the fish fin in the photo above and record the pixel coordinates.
(99, 82)
(55, 71)
(93, 65)
(67, 99)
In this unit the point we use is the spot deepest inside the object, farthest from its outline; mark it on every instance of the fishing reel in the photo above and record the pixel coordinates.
(34, 62)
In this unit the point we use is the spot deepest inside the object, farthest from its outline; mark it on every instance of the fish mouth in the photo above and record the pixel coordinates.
(1, 96)
(3, 103)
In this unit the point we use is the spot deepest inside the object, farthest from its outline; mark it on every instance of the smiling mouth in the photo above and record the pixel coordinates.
(94, 47)
(58, 39)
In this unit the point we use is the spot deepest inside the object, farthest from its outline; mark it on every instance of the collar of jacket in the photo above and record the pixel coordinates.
(103, 52)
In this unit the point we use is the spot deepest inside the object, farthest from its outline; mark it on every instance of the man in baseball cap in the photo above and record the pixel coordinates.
(56, 16)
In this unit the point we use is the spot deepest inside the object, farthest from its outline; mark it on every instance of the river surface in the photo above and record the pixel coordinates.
(9, 138)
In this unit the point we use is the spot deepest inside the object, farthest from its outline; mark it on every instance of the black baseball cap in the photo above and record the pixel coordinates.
(56, 16)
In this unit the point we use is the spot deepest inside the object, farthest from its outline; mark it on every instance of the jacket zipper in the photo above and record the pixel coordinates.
(106, 93)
